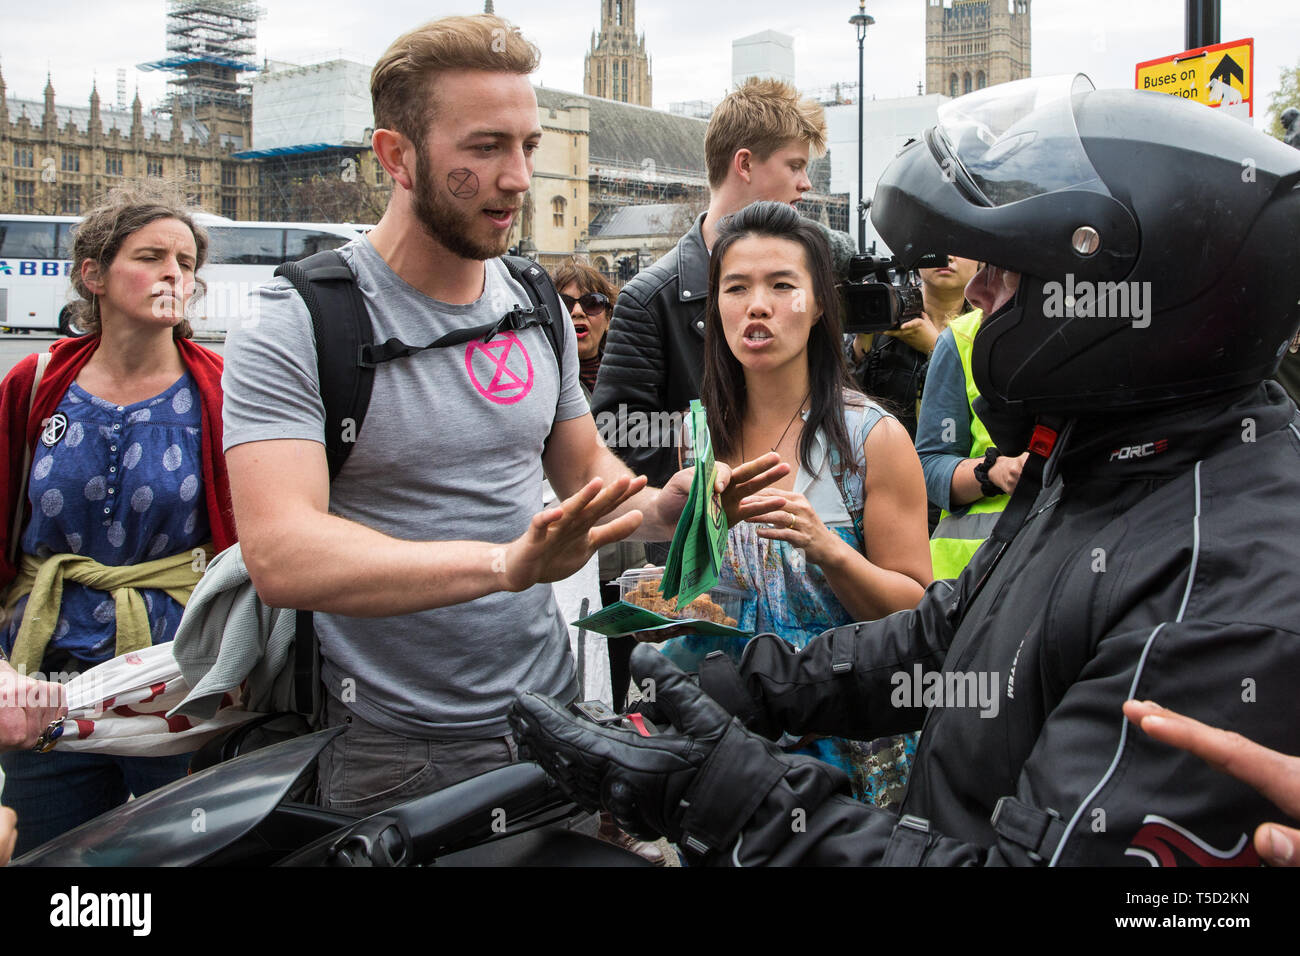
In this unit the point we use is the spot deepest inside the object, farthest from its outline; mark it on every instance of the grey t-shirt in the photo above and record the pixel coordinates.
(450, 450)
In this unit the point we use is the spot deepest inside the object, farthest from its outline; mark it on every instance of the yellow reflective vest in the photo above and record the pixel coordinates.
(959, 534)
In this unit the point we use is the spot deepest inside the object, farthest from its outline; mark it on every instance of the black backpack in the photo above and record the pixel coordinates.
(346, 356)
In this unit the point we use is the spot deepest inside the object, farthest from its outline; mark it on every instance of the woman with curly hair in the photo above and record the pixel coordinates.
(116, 485)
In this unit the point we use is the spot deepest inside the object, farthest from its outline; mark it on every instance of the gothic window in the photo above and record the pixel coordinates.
(113, 164)
(979, 80)
(72, 164)
(229, 174)
(194, 172)
(23, 157)
(24, 196)
(155, 168)
(70, 200)
(952, 85)
(557, 211)
(618, 13)
(230, 207)
(965, 83)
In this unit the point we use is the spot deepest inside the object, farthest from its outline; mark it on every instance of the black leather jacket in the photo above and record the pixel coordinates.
(1162, 565)
(654, 357)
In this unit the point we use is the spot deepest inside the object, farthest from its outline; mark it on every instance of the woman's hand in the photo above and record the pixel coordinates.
(920, 333)
(736, 487)
(748, 495)
(27, 707)
(798, 525)
(1005, 472)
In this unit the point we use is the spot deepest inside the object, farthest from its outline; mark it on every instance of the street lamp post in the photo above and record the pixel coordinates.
(1202, 23)
(861, 21)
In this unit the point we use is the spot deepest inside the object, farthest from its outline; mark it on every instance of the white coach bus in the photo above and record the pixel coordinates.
(36, 259)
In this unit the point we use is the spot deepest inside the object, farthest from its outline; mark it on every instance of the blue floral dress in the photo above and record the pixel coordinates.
(123, 484)
(791, 598)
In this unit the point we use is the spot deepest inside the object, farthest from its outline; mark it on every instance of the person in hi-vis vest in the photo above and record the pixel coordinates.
(964, 475)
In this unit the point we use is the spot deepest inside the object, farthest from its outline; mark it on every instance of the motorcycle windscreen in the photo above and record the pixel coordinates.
(188, 821)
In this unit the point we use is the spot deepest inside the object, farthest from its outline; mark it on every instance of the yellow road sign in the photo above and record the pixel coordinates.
(1220, 76)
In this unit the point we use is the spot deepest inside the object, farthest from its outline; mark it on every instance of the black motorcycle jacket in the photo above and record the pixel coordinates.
(1161, 561)
(654, 357)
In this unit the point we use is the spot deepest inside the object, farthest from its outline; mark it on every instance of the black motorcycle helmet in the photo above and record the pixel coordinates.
(1181, 220)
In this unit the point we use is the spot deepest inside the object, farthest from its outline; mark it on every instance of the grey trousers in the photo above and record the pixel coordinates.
(369, 769)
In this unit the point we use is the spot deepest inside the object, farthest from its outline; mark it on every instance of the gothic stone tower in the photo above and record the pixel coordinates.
(617, 65)
(971, 44)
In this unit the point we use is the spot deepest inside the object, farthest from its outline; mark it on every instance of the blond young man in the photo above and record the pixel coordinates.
(428, 559)
(757, 147)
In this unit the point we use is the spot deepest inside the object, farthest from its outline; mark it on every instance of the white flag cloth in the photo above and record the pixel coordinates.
(120, 707)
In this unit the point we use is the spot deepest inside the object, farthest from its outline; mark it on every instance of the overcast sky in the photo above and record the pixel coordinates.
(689, 41)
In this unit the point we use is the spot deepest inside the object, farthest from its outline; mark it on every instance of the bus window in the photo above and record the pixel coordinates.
(26, 240)
(67, 232)
(300, 243)
(233, 245)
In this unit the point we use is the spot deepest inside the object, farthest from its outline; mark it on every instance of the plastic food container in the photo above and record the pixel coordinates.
(723, 605)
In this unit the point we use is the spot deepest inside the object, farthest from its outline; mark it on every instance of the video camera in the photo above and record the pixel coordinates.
(880, 295)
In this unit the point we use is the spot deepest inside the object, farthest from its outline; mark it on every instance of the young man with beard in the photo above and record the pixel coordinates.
(757, 147)
(428, 559)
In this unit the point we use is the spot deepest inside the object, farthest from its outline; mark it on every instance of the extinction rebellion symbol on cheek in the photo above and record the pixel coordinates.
(462, 183)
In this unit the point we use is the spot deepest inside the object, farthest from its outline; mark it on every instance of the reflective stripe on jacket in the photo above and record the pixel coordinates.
(959, 535)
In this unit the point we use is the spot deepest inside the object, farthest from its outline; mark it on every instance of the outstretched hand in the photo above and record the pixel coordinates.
(560, 540)
(1275, 775)
(741, 499)
(737, 488)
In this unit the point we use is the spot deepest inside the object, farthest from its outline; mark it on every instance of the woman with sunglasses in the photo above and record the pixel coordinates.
(589, 299)
(850, 544)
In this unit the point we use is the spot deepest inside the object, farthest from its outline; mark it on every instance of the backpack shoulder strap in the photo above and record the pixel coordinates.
(20, 499)
(542, 294)
(342, 328)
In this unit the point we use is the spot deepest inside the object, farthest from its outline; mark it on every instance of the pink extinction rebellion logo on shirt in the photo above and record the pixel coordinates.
(504, 365)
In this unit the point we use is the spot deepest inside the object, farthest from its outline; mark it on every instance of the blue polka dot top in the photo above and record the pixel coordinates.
(121, 484)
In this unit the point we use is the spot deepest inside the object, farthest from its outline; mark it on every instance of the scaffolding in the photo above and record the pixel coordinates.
(613, 184)
(210, 43)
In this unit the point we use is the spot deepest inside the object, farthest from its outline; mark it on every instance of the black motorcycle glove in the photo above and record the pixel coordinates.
(640, 780)
(722, 683)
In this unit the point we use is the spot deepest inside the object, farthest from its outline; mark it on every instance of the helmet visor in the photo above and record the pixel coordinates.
(1016, 140)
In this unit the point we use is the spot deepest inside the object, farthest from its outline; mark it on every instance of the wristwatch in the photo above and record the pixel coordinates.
(987, 487)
